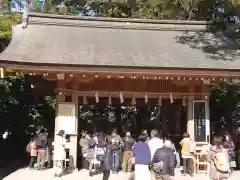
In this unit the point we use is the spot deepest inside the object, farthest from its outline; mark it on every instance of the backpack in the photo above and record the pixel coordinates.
(158, 167)
(191, 146)
(221, 161)
(28, 148)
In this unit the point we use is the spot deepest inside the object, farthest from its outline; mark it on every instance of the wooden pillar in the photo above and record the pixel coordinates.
(207, 111)
(74, 137)
(72, 145)
(205, 89)
(60, 97)
(190, 121)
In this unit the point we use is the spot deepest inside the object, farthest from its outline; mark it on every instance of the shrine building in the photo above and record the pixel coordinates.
(124, 61)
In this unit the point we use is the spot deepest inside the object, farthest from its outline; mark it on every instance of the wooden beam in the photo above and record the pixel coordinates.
(128, 94)
(131, 71)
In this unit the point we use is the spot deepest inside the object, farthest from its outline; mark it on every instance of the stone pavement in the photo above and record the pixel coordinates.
(26, 174)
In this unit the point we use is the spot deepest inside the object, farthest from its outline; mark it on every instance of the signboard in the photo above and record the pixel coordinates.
(199, 118)
(67, 123)
(66, 119)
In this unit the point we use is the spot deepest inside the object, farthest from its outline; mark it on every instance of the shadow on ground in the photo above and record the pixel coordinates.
(7, 168)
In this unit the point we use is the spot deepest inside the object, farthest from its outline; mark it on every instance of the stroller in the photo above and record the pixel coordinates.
(95, 161)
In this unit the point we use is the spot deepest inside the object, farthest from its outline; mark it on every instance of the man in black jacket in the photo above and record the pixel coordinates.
(163, 162)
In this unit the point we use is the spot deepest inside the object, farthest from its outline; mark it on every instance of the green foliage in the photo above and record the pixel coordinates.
(20, 110)
(225, 111)
(22, 114)
(6, 22)
(36, 7)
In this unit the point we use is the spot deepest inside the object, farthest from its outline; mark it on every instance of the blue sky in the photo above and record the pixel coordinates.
(19, 5)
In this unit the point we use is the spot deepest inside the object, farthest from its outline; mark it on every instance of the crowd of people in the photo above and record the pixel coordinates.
(143, 157)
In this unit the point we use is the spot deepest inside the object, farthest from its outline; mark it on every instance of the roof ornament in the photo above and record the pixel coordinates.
(171, 98)
(133, 100)
(184, 101)
(159, 100)
(96, 97)
(109, 100)
(146, 98)
(60, 76)
(121, 97)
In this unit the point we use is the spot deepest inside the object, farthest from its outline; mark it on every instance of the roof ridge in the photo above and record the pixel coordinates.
(116, 23)
(129, 20)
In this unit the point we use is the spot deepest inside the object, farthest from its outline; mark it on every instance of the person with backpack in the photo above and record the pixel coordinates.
(117, 145)
(163, 162)
(219, 160)
(230, 146)
(41, 143)
(188, 151)
(169, 143)
(127, 154)
(91, 155)
(83, 143)
(32, 150)
(100, 148)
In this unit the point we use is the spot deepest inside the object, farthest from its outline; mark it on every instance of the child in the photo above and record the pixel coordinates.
(33, 152)
(188, 149)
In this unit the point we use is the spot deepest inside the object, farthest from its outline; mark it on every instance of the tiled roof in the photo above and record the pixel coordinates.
(121, 42)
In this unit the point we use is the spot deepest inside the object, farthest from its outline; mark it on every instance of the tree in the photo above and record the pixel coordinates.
(21, 113)
(224, 103)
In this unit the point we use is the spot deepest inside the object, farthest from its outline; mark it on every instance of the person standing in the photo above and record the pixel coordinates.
(127, 154)
(83, 143)
(188, 150)
(117, 144)
(142, 155)
(33, 152)
(145, 132)
(163, 162)
(49, 151)
(41, 143)
(91, 155)
(59, 153)
(230, 146)
(156, 142)
(173, 147)
(219, 160)
(106, 164)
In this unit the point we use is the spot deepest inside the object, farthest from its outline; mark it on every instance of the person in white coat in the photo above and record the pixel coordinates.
(59, 153)
(155, 143)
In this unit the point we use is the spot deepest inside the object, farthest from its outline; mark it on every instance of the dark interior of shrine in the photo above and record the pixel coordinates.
(169, 117)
